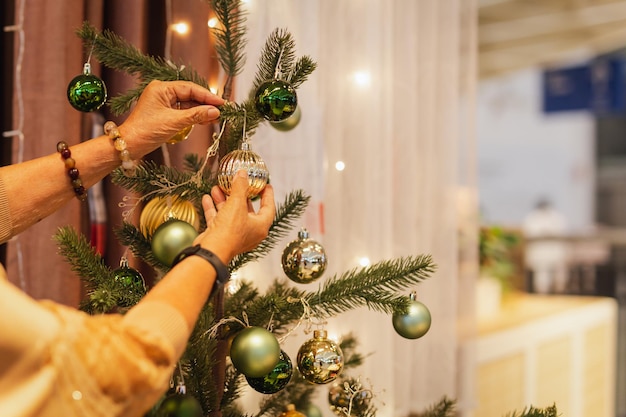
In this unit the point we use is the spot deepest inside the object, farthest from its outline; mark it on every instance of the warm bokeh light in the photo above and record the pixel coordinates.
(340, 166)
(182, 28)
(361, 78)
(212, 22)
(213, 90)
(364, 261)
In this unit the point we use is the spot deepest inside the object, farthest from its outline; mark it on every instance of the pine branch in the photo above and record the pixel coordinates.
(116, 53)
(277, 58)
(373, 287)
(129, 235)
(230, 39)
(154, 179)
(444, 408)
(286, 214)
(301, 71)
(535, 412)
(104, 292)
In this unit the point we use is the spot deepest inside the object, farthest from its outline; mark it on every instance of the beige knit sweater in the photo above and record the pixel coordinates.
(56, 361)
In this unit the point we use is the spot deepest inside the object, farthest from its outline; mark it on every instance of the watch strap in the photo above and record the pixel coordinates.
(222, 274)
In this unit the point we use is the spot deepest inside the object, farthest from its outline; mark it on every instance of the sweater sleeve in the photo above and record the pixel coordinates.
(132, 357)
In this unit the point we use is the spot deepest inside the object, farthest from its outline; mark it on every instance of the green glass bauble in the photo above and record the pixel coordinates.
(86, 92)
(170, 238)
(320, 360)
(289, 123)
(277, 379)
(304, 260)
(415, 322)
(130, 278)
(276, 100)
(179, 405)
(255, 352)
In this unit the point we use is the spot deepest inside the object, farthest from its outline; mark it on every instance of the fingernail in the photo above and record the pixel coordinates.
(242, 173)
(213, 113)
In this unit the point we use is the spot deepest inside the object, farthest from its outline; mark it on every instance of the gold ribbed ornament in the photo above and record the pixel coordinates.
(160, 209)
(239, 159)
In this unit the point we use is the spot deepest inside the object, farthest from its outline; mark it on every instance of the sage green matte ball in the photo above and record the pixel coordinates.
(255, 352)
(415, 323)
(170, 238)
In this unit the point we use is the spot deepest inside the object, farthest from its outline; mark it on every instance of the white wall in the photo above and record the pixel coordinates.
(524, 154)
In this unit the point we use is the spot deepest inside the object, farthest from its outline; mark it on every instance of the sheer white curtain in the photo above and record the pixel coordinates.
(391, 99)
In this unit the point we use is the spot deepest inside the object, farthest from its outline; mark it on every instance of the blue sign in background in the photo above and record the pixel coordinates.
(597, 87)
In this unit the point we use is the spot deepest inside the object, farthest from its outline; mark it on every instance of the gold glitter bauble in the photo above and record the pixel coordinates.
(320, 360)
(239, 159)
(160, 209)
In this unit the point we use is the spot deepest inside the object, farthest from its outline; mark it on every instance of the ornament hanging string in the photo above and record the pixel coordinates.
(212, 331)
(307, 315)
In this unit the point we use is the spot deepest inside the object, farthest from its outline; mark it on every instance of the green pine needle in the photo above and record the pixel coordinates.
(230, 38)
(535, 412)
(154, 179)
(115, 52)
(374, 287)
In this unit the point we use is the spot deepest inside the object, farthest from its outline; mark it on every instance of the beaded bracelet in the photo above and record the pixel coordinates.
(128, 166)
(72, 171)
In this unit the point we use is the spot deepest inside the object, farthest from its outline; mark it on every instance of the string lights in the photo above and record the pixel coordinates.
(18, 28)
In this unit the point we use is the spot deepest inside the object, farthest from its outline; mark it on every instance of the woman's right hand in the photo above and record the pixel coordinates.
(233, 226)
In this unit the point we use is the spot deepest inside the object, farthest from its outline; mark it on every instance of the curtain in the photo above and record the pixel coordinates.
(392, 99)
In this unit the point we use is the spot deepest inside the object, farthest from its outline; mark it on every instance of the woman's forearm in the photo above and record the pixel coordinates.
(39, 187)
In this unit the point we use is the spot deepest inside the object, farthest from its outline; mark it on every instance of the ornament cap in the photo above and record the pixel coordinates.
(87, 68)
(303, 233)
(413, 296)
(320, 334)
(291, 407)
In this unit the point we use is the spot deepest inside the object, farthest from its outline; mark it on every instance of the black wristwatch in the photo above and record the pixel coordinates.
(221, 270)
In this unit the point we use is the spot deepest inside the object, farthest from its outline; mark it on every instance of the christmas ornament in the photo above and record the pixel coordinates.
(170, 238)
(179, 405)
(160, 209)
(239, 159)
(181, 135)
(254, 352)
(129, 278)
(86, 92)
(415, 323)
(290, 411)
(312, 410)
(320, 360)
(347, 395)
(276, 100)
(277, 379)
(289, 123)
(304, 260)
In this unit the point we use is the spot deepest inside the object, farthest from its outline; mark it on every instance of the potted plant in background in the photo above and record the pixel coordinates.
(498, 248)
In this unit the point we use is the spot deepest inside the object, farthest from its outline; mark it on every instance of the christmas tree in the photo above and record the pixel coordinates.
(217, 364)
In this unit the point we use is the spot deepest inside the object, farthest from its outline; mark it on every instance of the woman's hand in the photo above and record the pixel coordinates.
(233, 226)
(163, 109)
